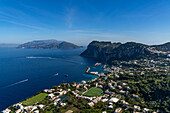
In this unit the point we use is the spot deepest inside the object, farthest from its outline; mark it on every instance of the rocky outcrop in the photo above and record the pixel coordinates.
(107, 51)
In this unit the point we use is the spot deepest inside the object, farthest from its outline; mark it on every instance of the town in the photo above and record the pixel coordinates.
(126, 86)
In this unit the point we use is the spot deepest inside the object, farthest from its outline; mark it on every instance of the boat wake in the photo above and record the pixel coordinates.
(55, 74)
(31, 57)
(17, 83)
(40, 57)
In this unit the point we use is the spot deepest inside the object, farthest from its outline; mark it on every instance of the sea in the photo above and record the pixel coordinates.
(24, 72)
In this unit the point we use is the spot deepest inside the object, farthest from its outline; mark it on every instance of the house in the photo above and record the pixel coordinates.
(85, 87)
(59, 89)
(83, 82)
(119, 87)
(6, 111)
(104, 100)
(33, 108)
(49, 90)
(59, 93)
(105, 78)
(131, 74)
(30, 108)
(19, 106)
(95, 84)
(62, 104)
(37, 111)
(108, 92)
(100, 86)
(136, 108)
(116, 76)
(115, 100)
(110, 106)
(97, 100)
(102, 74)
(51, 95)
(135, 96)
(74, 84)
(128, 88)
(145, 110)
(121, 91)
(41, 106)
(69, 111)
(125, 103)
(77, 85)
(118, 110)
(124, 84)
(91, 104)
(18, 111)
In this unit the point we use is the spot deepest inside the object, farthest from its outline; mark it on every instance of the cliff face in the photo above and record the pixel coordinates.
(108, 51)
(48, 44)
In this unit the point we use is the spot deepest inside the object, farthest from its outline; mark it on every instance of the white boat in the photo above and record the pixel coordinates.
(56, 74)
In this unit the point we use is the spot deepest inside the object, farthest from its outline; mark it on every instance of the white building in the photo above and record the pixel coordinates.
(18, 111)
(6, 111)
(51, 95)
(91, 104)
(115, 100)
(40, 106)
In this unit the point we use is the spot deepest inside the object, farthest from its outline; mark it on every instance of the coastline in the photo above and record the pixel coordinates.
(87, 71)
(113, 91)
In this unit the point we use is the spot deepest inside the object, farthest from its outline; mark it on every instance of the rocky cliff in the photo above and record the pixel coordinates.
(107, 51)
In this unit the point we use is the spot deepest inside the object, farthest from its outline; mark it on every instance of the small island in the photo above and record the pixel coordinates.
(48, 44)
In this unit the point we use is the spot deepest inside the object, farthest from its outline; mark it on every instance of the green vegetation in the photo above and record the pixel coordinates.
(93, 92)
(34, 99)
(145, 84)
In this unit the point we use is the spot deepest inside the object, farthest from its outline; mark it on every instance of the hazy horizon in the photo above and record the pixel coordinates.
(80, 22)
(16, 44)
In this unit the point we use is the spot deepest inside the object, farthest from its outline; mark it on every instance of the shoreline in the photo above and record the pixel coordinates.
(78, 82)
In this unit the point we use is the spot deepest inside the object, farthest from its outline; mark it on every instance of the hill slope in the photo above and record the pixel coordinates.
(48, 44)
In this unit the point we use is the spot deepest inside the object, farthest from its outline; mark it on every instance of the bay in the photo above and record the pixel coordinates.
(24, 72)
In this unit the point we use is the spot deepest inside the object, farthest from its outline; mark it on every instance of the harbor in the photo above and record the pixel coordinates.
(91, 73)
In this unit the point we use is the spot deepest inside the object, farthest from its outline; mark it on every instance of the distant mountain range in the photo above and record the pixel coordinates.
(48, 44)
(107, 51)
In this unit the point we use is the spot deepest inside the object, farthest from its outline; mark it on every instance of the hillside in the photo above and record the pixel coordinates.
(107, 51)
(49, 44)
(164, 47)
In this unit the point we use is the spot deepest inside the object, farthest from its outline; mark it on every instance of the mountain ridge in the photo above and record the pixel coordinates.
(108, 51)
(48, 44)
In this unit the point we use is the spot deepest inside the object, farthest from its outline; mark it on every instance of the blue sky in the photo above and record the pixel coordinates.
(81, 21)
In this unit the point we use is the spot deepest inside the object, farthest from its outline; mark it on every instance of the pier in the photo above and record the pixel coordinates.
(97, 64)
(91, 73)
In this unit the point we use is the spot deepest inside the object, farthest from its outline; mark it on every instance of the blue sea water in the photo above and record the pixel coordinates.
(24, 72)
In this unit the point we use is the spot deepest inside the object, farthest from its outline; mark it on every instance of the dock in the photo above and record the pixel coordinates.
(91, 73)
(97, 64)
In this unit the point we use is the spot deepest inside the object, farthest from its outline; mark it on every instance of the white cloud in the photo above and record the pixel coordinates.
(69, 17)
(25, 25)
